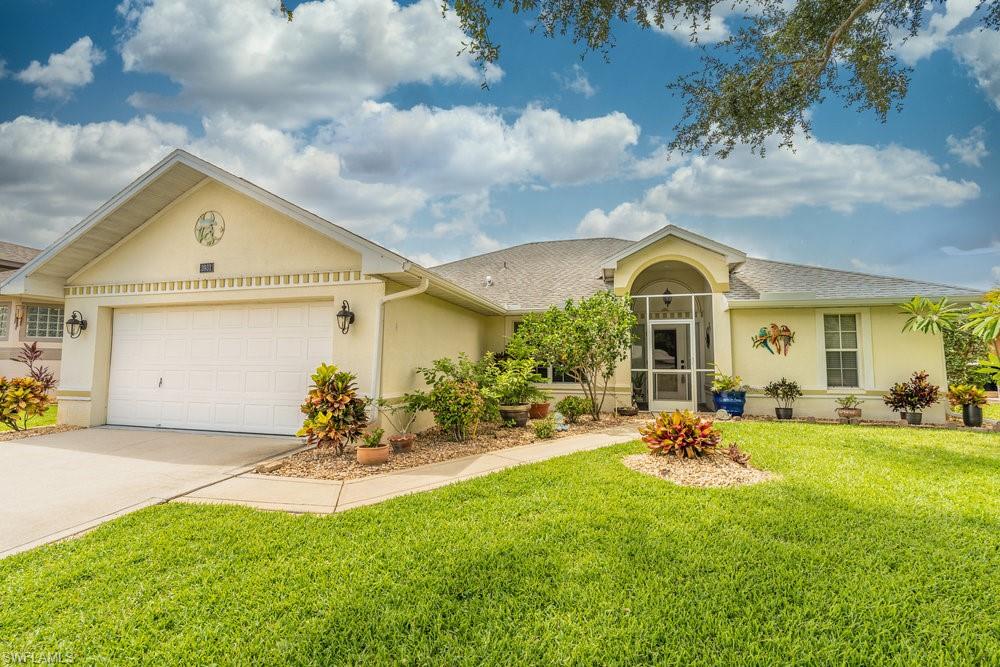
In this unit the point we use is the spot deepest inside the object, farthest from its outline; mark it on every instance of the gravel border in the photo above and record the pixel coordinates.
(715, 470)
(38, 430)
(432, 446)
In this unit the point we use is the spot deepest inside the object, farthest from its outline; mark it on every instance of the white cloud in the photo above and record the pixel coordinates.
(64, 71)
(991, 249)
(628, 220)
(52, 175)
(3, 69)
(979, 50)
(245, 59)
(818, 174)
(576, 81)
(710, 32)
(937, 33)
(466, 149)
(969, 150)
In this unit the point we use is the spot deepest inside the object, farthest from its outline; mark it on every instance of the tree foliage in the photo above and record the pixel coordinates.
(585, 339)
(782, 58)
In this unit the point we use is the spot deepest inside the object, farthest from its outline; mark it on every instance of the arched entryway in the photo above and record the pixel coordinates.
(673, 352)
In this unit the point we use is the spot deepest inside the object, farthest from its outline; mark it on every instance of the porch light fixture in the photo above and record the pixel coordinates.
(76, 325)
(667, 297)
(345, 318)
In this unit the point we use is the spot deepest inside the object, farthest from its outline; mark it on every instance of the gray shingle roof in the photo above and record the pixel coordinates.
(535, 275)
(748, 280)
(14, 254)
(546, 273)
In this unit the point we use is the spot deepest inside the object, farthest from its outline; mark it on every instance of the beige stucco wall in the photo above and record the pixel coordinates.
(257, 240)
(887, 355)
(12, 343)
(420, 329)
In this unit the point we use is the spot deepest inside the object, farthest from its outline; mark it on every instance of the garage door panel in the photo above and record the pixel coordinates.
(233, 368)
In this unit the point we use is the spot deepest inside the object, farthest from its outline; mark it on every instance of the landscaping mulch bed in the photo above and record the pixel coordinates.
(31, 432)
(711, 471)
(433, 446)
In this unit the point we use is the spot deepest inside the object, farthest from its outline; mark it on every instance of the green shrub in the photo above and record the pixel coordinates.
(966, 394)
(573, 407)
(335, 414)
(20, 400)
(848, 402)
(373, 439)
(545, 428)
(458, 406)
(722, 383)
(483, 374)
(783, 391)
(514, 383)
(681, 433)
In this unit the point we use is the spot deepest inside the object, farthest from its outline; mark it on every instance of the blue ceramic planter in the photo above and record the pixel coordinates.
(730, 401)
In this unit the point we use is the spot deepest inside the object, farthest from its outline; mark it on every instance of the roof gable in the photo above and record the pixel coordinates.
(732, 255)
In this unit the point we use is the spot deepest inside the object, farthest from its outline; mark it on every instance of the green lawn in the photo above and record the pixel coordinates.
(877, 545)
(48, 418)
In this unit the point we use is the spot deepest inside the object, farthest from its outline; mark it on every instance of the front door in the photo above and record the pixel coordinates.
(671, 360)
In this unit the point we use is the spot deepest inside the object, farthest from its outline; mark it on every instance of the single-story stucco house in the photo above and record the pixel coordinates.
(208, 301)
(27, 320)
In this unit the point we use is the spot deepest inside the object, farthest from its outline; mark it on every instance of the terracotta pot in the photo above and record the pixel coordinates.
(515, 413)
(914, 418)
(538, 410)
(402, 442)
(373, 456)
(783, 413)
(849, 413)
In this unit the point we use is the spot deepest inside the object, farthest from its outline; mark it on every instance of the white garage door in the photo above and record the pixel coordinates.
(217, 368)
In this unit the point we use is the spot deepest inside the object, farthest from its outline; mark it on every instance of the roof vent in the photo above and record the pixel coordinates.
(489, 281)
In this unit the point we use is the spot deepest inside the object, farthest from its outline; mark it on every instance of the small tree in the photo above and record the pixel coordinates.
(29, 355)
(586, 340)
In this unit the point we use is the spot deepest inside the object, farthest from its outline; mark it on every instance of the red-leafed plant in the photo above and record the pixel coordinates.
(29, 355)
(681, 433)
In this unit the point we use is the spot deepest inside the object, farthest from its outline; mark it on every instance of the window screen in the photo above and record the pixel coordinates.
(841, 338)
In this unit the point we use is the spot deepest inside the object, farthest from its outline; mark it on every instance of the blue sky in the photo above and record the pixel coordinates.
(361, 111)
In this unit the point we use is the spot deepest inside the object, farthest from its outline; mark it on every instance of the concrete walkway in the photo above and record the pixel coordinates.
(316, 496)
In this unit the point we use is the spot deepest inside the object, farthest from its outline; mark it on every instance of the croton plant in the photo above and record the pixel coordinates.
(681, 433)
(335, 415)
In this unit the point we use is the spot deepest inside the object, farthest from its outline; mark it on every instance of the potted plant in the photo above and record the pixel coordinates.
(971, 399)
(784, 392)
(918, 393)
(371, 451)
(848, 407)
(729, 393)
(401, 415)
(539, 407)
(896, 399)
(514, 389)
(639, 390)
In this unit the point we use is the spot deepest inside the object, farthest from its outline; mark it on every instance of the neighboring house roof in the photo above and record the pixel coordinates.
(535, 275)
(538, 275)
(13, 255)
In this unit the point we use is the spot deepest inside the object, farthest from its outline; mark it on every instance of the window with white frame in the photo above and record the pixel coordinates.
(841, 337)
(44, 322)
(4, 320)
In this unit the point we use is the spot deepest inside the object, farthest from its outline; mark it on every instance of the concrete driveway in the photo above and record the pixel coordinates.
(57, 485)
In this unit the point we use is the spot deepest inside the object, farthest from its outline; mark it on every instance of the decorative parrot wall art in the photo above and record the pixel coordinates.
(775, 339)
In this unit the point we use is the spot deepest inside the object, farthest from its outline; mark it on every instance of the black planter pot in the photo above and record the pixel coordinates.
(914, 418)
(783, 413)
(518, 414)
(972, 415)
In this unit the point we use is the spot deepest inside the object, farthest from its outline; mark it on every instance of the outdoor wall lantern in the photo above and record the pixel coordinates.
(345, 318)
(76, 325)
